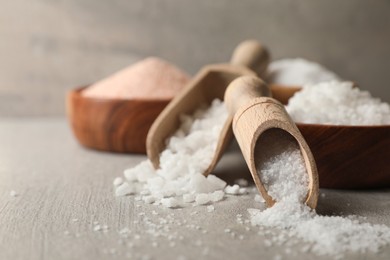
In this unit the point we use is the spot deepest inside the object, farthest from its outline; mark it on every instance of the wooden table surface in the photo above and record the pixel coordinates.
(64, 191)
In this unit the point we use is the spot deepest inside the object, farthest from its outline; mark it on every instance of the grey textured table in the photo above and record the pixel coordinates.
(64, 191)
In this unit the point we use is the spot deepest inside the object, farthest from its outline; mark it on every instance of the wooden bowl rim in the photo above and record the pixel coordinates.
(343, 126)
(76, 93)
(281, 86)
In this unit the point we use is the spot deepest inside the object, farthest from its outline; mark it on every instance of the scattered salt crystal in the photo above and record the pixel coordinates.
(202, 199)
(298, 72)
(117, 181)
(13, 193)
(124, 189)
(242, 191)
(337, 103)
(215, 182)
(210, 208)
(97, 228)
(217, 195)
(227, 230)
(170, 202)
(233, 190)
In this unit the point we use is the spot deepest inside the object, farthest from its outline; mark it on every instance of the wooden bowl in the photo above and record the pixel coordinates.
(350, 157)
(113, 125)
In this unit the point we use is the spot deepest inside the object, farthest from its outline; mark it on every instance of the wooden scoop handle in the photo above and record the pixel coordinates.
(254, 113)
(251, 54)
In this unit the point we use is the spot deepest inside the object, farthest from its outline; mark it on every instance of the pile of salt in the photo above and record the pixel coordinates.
(298, 72)
(337, 103)
(282, 172)
(180, 181)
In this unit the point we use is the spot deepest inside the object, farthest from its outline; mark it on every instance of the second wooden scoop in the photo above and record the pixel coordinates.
(257, 117)
(249, 58)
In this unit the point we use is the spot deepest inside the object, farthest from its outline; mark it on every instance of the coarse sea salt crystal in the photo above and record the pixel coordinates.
(217, 195)
(210, 208)
(202, 199)
(337, 103)
(298, 72)
(124, 189)
(188, 154)
(170, 202)
(13, 193)
(117, 181)
(232, 190)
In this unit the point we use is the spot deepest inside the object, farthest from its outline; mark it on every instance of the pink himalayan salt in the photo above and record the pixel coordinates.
(151, 78)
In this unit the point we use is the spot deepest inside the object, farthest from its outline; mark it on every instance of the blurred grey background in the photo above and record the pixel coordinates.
(50, 46)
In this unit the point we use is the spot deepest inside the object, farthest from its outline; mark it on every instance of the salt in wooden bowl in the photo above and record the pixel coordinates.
(347, 157)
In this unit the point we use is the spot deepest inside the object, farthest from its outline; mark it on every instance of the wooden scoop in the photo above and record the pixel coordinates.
(249, 58)
(257, 117)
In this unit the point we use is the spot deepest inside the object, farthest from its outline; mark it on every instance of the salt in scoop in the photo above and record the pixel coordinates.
(256, 117)
(249, 58)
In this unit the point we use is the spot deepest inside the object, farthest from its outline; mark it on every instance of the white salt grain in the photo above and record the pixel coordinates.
(202, 199)
(232, 190)
(210, 208)
(117, 181)
(170, 202)
(298, 72)
(124, 189)
(97, 228)
(337, 103)
(13, 193)
(215, 182)
(217, 195)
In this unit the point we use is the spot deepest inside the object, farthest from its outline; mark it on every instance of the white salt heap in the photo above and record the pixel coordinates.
(298, 72)
(180, 181)
(284, 178)
(337, 103)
